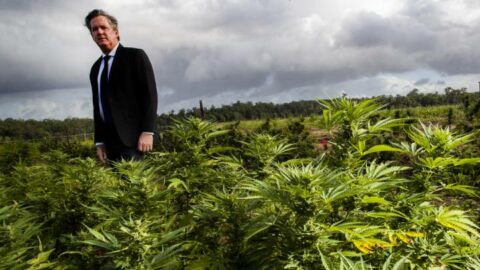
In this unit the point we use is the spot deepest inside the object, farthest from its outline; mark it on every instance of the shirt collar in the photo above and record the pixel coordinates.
(113, 51)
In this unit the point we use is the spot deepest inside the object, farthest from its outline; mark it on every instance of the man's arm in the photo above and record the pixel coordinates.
(148, 101)
(98, 133)
(101, 153)
(148, 90)
(145, 142)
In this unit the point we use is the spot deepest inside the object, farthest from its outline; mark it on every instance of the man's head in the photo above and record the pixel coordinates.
(104, 29)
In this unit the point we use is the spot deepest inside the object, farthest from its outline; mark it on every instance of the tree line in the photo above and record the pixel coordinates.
(14, 129)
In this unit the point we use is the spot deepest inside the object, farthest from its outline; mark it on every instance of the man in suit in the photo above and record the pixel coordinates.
(124, 93)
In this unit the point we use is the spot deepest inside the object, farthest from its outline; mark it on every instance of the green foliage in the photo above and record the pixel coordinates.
(383, 197)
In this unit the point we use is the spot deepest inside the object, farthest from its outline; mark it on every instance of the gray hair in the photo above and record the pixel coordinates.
(98, 12)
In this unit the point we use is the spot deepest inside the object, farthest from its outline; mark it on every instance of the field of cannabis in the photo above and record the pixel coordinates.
(389, 193)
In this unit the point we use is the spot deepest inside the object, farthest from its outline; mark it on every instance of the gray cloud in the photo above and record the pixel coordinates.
(52, 104)
(420, 31)
(43, 46)
(222, 51)
(400, 32)
(422, 81)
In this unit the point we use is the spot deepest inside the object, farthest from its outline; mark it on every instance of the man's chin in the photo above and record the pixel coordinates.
(105, 47)
(102, 44)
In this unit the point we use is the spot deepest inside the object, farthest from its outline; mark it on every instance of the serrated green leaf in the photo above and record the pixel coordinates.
(217, 133)
(40, 258)
(175, 183)
(381, 148)
(220, 149)
(385, 215)
(97, 234)
(466, 161)
(472, 191)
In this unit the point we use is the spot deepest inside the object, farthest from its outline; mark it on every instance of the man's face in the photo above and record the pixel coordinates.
(103, 33)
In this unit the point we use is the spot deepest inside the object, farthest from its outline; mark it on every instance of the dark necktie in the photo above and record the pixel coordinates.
(107, 115)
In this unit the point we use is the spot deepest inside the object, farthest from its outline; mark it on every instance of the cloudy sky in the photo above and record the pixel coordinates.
(221, 51)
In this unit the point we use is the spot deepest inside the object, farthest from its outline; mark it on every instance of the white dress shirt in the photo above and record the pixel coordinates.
(99, 77)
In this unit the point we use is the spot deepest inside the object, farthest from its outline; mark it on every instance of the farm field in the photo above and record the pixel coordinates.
(393, 191)
(433, 114)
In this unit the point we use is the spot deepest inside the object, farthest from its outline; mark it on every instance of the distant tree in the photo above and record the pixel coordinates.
(450, 116)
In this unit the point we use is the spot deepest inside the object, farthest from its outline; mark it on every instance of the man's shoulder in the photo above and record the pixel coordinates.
(132, 51)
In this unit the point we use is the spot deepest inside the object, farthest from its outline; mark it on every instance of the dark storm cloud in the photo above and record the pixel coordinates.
(459, 55)
(195, 73)
(235, 17)
(286, 58)
(422, 32)
(228, 50)
(371, 30)
(422, 82)
(366, 45)
(15, 5)
(42, 45)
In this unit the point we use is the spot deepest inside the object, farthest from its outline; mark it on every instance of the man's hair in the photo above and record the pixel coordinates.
(98, 12)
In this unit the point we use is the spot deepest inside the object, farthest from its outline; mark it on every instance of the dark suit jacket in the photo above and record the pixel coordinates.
(132, 96)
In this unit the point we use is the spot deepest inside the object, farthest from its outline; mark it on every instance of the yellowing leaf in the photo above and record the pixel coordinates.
(375, 199)
(367, 245)
(403, 238)
(363, 247)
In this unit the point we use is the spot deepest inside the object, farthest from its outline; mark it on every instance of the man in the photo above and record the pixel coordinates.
(124, 93)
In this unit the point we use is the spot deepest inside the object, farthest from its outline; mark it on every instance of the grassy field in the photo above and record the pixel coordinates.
(435, 114)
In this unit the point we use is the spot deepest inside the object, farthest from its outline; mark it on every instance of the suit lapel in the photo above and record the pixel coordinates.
(116, 65)
(94, 75)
